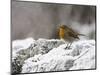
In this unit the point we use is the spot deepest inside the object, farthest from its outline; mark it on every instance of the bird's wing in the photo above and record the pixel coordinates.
(71, 30)
(73, 34)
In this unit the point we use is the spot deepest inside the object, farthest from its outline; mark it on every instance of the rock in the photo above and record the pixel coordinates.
(51, 55)
(27, 48)
(45, 55)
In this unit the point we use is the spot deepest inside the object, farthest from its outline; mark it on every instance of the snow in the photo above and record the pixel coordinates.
(19, 45)
(45, 55)
(22, 44)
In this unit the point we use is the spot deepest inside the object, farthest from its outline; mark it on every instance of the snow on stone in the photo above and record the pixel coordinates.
(19, 45)
(45, 55)
(88, 60)
(22, 44)
(32, 47)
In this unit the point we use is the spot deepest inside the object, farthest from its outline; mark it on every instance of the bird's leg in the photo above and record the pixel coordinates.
(70, 45)
(66, 46)
(65, 43)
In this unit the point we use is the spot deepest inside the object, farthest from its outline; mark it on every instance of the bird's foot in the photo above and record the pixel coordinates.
(67, 48)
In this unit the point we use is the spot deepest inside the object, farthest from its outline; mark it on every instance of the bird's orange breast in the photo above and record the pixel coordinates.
(61, 33)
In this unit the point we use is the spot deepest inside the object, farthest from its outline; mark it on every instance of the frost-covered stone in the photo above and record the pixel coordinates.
(50, 55)
(19, 45)
(57, 58)
(27, 48)
(88, 60)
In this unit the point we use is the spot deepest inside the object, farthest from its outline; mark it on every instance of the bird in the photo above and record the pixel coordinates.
(68, 34)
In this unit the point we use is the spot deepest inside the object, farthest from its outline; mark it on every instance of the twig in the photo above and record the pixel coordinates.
(81, 55)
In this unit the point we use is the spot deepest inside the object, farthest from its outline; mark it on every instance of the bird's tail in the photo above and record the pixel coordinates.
(81, 34)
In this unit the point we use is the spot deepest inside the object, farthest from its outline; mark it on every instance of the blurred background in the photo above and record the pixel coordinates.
(41, 20)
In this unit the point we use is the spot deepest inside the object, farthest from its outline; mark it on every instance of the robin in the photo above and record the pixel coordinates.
(68, 34)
